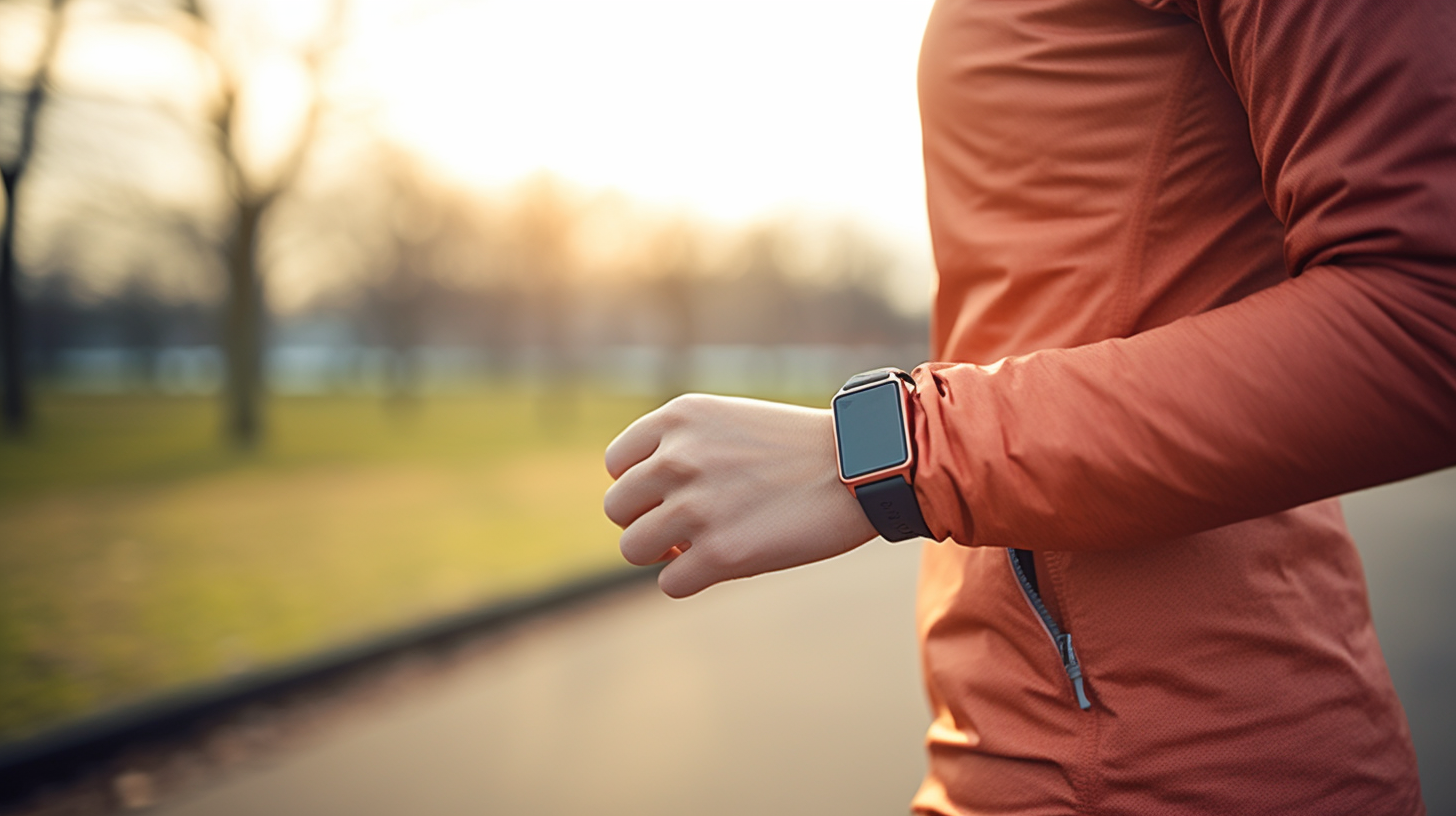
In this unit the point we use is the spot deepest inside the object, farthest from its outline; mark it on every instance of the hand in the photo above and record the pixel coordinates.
(727, 488)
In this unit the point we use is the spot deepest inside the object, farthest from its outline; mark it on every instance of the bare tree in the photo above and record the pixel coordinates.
(16, 407)
(399, 290)
(253, 192)
(544, 223)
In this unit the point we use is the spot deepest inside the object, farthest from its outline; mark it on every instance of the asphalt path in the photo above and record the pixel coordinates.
(790, 693)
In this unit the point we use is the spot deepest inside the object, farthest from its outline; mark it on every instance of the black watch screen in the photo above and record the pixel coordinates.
(871, 427)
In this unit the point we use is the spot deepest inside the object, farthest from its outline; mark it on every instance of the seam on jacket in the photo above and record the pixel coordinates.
(1123, 319)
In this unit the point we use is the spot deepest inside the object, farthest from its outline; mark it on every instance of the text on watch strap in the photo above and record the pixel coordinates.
(891, 507)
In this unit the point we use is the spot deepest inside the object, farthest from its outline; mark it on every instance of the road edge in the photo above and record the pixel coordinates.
(70, 749)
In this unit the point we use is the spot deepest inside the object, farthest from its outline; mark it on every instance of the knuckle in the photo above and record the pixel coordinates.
(686, 516)
(681, 408)
(677, 463)
(671, 412)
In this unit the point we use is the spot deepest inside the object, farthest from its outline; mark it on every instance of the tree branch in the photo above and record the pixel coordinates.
(34, 99)
(315, 57)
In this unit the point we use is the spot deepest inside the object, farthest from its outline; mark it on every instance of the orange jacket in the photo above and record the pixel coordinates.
(1197, 276)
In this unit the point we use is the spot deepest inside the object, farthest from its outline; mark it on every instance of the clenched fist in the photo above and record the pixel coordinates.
(728, 487)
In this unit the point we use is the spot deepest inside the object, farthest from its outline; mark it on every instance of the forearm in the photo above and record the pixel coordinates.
(1337, 380)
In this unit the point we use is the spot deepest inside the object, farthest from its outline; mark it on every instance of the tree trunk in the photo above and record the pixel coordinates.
(244, 326)
(16, 406)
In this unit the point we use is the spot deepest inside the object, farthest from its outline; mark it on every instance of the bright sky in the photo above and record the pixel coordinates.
(733, 108)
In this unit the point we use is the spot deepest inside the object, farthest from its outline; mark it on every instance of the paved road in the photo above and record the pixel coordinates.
(793, 693)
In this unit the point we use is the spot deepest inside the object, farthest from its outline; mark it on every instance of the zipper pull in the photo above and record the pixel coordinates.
(1074, 670)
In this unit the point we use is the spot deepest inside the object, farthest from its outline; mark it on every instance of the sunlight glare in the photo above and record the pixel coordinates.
(730, 109)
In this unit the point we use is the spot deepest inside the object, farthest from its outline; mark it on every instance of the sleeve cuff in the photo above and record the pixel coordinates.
(943, 503)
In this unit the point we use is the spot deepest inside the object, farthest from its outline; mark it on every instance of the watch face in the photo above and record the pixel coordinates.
(871, 428)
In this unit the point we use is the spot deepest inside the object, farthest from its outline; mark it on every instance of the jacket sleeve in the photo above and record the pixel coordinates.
(1342, 377)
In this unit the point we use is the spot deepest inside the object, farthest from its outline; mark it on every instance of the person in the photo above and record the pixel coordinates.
(1196, 278)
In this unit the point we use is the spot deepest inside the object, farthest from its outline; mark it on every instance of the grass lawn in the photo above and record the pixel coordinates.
(138, 554)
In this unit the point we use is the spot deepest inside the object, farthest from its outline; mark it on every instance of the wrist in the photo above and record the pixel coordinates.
(875, 450)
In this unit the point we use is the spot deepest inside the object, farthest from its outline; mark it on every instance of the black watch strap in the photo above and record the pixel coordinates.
(892, 509)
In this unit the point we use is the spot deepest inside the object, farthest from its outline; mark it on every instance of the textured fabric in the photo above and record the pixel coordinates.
(1197, 275)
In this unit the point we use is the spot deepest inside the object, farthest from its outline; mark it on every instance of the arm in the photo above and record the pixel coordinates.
(1340, 378)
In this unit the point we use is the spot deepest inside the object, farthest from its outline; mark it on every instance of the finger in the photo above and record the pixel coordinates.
(688, 574)
(652, 537)
(634, 444)
(636, 492)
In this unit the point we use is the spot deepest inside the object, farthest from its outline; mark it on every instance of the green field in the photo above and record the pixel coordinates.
(137, 553)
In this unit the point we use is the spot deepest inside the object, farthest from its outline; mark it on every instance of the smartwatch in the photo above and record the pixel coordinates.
(876, 455)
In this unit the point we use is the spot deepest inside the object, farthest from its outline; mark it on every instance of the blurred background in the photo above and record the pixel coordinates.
(316, 316)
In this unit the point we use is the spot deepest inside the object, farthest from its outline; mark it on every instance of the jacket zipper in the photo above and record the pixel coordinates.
(1062, 641)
